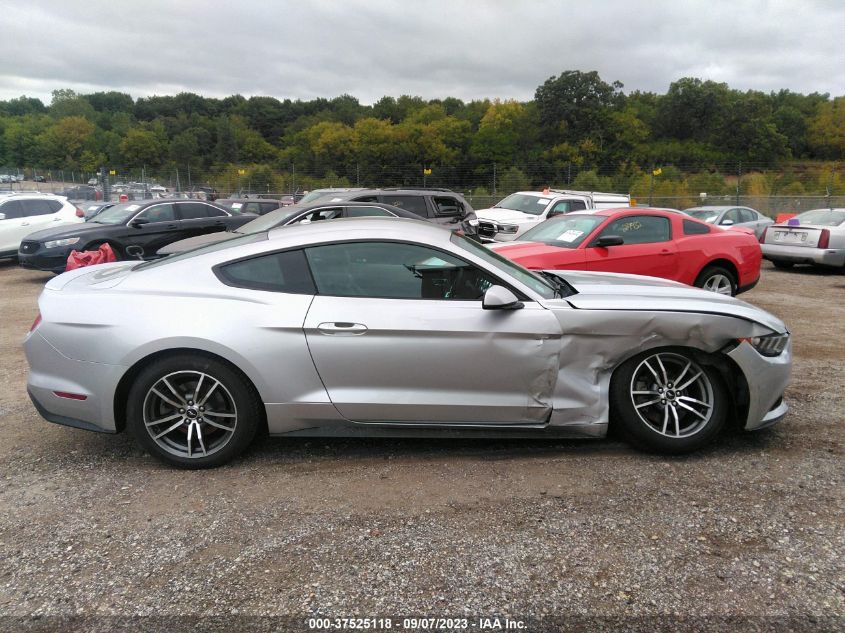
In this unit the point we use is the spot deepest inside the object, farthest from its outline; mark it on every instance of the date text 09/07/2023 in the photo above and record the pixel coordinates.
(417, 624)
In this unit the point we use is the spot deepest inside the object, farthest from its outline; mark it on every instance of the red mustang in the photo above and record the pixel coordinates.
(642, 242)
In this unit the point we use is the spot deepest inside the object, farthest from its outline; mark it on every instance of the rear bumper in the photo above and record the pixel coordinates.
(804, 254)
(51, 372)
(767, 379)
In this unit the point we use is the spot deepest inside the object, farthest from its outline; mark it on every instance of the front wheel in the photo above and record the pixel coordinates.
(668, 402)
(717, 279)
(192, 411)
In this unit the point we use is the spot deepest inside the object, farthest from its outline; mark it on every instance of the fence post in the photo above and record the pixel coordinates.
(494, 179)
(651, 185)
(738, 181)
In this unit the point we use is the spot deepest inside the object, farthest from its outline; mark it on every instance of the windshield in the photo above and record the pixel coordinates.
(566, 231)
(269, 220)
(537, 283)
(235, 240)
(532, 205)
(118, 214)
(705, 215)
(822, 217)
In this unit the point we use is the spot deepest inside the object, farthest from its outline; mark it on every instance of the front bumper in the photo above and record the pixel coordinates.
(804, 254)
(36, 257)
(767, 379)
(51, 372)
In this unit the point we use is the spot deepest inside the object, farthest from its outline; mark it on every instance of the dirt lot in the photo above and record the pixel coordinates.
(752, 529)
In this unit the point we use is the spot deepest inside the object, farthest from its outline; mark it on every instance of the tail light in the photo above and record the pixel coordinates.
(36, 322)
(824, 239)
(763, 235)
(80, 213)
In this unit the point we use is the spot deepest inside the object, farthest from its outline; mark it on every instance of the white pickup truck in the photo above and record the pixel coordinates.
(523, 210)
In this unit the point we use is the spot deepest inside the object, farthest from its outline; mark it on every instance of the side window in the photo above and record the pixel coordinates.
(277, 272)
(214, 212)
(38, 207)
(559, 207)
(695, 228)
(640, 229)
(578, 205)
(192, 210)
(445, 205)
(747, 215)
(414, 204)
(323, 213)
(732, 215)
(363, 212)
(159, 213)
(12, 209)
(265, 207)
(394, 270)
(366, 199)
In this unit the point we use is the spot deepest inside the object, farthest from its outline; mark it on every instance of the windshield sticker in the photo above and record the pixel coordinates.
(237, 205)
(336, 199)
(571, 235)
(435, 262)
(711, 219)
(133, 207)
(543, 200)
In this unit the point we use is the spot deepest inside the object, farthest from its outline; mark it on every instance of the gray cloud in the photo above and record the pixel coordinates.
(435, 49)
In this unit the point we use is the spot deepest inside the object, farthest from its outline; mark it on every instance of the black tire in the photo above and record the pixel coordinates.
(233, 397)
(715, 274)
(645, 426)
(783, 265)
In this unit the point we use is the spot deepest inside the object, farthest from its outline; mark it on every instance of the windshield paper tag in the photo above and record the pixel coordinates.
(543, 200)
(571, 235)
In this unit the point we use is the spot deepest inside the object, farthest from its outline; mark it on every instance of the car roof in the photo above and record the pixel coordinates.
(618, 210)
(344, 229)
(714, 207)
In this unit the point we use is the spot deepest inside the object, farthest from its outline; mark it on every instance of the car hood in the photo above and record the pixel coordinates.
(617, 291)
(195, 242)
(67, 230)
(506, 215)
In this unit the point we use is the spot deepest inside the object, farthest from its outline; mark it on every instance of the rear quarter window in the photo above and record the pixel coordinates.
(275, 272)
(695, 228)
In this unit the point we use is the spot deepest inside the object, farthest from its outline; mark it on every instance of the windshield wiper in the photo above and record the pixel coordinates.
(562, 287)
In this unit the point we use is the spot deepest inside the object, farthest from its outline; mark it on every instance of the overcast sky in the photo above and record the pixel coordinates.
(431, 48)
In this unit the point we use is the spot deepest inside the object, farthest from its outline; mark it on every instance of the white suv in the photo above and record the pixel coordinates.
(25, 213)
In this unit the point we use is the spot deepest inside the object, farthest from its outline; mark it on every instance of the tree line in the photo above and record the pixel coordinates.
(578, 126)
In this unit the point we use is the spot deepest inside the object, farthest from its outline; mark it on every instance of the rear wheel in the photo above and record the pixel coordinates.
(782, 265)
(717, 279)
(667, 401)
(192, 411)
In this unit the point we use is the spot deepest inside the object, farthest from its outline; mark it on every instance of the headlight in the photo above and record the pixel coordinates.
(66, 242)
(769, 345)
(508, 228)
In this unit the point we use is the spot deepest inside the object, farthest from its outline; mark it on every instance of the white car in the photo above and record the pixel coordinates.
(25, 213)
(524, 210)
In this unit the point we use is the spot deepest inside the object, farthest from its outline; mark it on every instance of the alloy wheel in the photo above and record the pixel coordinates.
(190, 414)
(719, 284)
(672, 395)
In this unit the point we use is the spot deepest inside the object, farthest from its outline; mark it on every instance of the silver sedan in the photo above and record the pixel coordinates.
(727, 217)
(814, 237)
(393, 327)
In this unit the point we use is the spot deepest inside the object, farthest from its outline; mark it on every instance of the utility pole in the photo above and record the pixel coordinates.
(830, 186)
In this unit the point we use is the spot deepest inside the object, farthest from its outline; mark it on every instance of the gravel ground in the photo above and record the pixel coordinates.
(747, 534)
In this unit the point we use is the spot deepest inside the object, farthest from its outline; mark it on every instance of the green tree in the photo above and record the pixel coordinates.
(575, 105)
(141, 147)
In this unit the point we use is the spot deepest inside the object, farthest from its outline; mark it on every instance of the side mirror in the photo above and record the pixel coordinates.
(137, 223)
(726, 222)
(609, 240)
(500, 298)
(2, 216)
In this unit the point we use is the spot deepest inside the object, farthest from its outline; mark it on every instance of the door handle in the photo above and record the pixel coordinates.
(24, 223)
(666, 253)
(342, 328)
(170, 227)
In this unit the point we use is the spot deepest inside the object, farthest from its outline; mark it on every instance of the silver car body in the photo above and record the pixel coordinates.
(799, 243)
(396, 366)
(728, 217)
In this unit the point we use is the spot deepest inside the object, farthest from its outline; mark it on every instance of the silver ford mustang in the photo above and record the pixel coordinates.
(392, 327)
